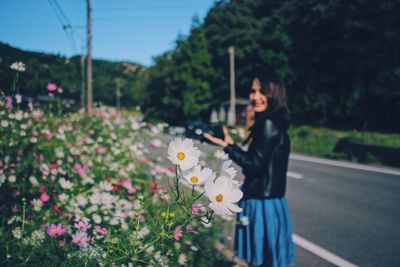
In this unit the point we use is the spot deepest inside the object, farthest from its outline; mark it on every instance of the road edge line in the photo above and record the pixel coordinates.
(344, 164)
(321, 252)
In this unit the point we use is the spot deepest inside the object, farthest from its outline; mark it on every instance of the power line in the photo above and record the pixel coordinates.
(144, 8)
(66, 24)
(60, 19)
(63, 25)
(139, 18)
(62, 12)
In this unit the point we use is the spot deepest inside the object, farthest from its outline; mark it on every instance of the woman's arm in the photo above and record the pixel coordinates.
(255, 160)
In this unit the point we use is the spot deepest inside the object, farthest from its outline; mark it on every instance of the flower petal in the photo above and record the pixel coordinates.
(234, 195)
(233, 207)
(220, 209)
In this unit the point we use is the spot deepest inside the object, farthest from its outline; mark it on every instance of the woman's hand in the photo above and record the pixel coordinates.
(223, 143)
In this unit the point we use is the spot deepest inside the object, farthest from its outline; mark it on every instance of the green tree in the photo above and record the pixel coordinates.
(178, 87)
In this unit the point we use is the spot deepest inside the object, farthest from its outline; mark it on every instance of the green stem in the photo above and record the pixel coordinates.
(177, 182)
(23, 213)
(15, 83)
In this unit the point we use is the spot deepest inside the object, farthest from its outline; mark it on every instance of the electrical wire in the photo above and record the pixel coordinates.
(144, 8)
(138, 18)
(66, 24)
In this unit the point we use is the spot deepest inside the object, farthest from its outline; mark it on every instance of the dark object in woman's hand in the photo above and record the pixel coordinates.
(216, 130)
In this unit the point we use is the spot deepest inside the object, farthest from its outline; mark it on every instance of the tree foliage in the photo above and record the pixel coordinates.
(338, 59)
(178, 85)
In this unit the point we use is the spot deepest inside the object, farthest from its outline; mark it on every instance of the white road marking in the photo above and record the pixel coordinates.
(321, 252)
(295, 175)
(344, 164)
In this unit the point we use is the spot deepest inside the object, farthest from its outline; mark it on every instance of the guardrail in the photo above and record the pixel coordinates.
(363, 152)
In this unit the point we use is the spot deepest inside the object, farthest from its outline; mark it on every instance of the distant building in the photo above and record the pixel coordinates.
(244, 112)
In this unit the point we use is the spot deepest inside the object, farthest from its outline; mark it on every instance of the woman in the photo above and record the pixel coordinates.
(266, 240)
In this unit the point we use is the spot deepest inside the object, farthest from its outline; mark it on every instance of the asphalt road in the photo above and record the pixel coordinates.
(352, 213)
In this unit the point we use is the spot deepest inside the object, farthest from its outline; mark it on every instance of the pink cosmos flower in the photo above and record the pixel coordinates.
(178, 234)
(101, 231)
(44, 198)
(56, 230)
(54, 165)
(62, 243)
(190, 229)
(46, 133)
(82, 226)
(15, 193)
(195, 209)
(14, 208)
(128, 185)
(158, 170)
(42, 189)
(51, 87)
(100, 150)
(91, 132)
(58, 210)
(37, 115)
(9, 102)
(80, 238)
(81, 169)
(60, 90)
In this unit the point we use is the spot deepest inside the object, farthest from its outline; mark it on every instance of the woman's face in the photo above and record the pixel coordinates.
(258, 100)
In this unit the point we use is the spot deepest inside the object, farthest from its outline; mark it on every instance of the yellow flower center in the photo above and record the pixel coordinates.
(181, 156)
(219, 197)
(56, 232)
(194, 179)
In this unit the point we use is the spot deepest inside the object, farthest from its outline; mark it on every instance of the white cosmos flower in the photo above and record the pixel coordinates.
(198, 176)
(65, 184)
(182, 259)
(228, 171)
(18, 98)
(244, 221)
(219, 154)
(18, 66)
(183, 153)
(96, 218)
(223, 194)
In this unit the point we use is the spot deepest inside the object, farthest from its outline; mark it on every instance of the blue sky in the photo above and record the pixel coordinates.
(134, 30)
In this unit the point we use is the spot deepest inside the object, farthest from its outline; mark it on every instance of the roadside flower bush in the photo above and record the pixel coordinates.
(85, 190)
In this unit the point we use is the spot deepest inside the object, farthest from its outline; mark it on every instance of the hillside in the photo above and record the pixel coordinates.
(43, 68)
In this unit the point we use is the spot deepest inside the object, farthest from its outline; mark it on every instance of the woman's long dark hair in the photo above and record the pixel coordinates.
(275, 91)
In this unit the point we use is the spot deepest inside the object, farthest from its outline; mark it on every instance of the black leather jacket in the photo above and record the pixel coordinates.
(265, 163)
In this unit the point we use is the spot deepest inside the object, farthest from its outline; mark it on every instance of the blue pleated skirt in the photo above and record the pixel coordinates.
(267, 238)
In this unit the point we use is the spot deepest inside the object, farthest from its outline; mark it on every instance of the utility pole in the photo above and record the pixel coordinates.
(83, 87)
(89, 58)
(232, 107)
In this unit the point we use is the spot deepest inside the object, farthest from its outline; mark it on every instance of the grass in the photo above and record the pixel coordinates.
(315, 141)
(320, 141)
(127, 112)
